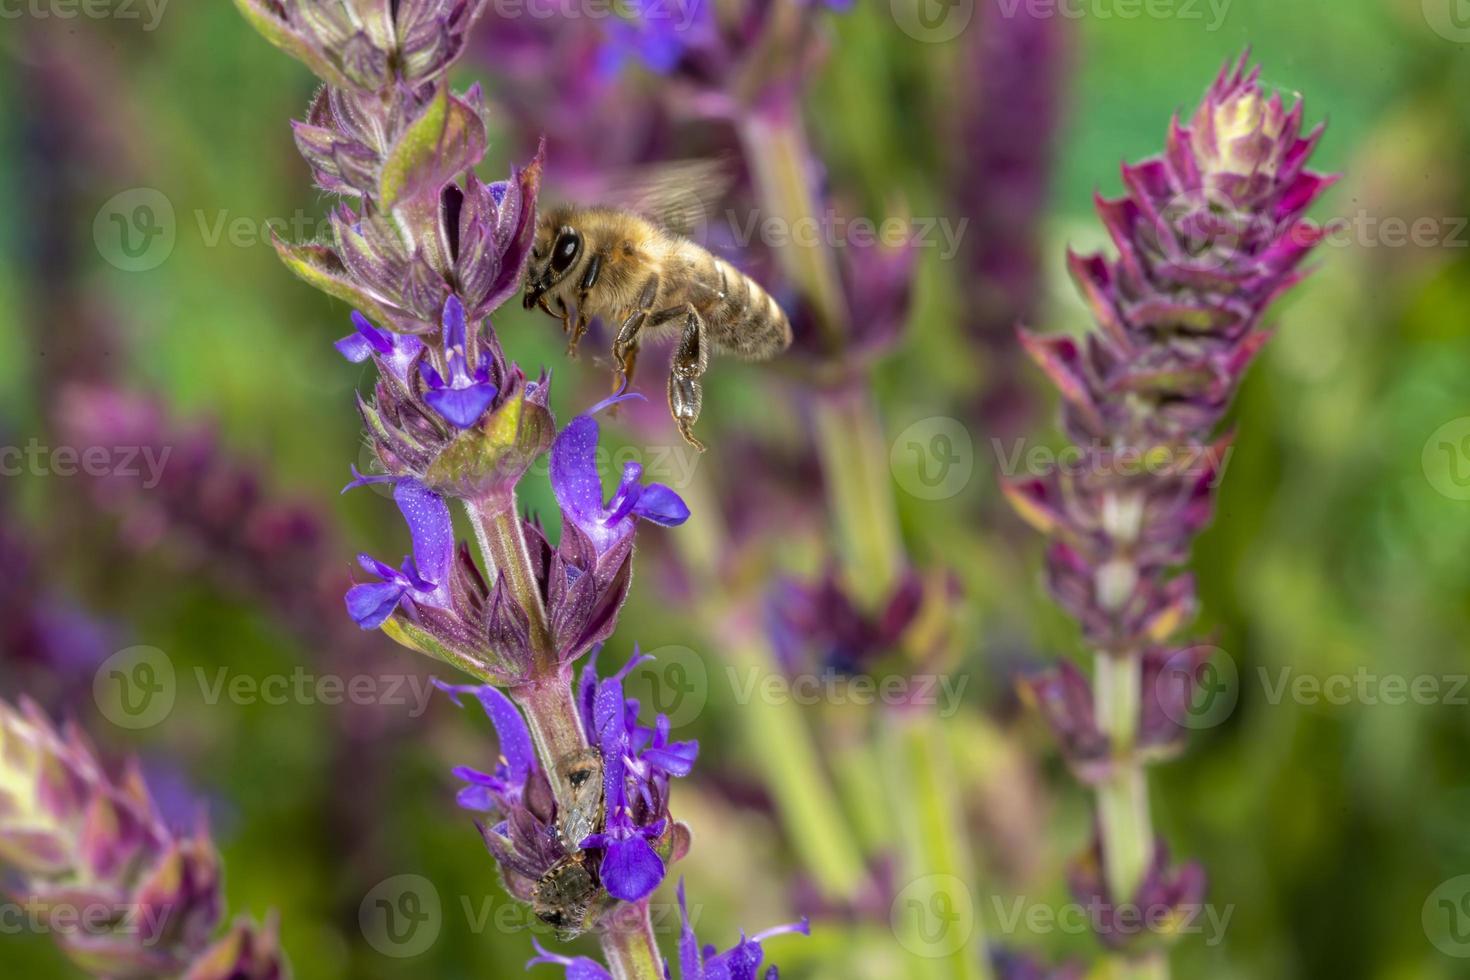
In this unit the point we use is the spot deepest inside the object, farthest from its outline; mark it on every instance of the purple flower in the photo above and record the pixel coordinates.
(335, 39)
(630, 849)
(75, 834)
(424, 576)
(503, 786)
(394, 353)
(821, 622)
(577, 967)
(1165, 899)
(578, 487)
(467, 393)
(637, 764)
(1007, 964)
(758, 52)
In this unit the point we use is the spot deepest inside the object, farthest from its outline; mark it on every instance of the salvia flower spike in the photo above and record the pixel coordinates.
(1207, 236)
(83, 840)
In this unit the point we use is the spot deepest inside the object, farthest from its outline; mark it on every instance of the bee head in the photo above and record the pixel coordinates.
(554, 255)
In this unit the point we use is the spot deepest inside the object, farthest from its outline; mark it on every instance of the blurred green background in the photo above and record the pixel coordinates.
(1339, 544)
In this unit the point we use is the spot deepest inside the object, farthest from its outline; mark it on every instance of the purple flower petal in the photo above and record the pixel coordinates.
(578, 968)
(462, 407)
(661, 505)
(432, 530)
(677, 759)
(510, 728)
(372, 603)
(631, 869)
(578, 486)
(354, 347)
(690, 966)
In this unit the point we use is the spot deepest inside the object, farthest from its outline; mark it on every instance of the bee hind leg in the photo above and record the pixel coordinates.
(686, 392)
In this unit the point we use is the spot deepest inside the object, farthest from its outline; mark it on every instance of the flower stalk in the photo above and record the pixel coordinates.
(502, 541)
(630, 947)
(1122, 798)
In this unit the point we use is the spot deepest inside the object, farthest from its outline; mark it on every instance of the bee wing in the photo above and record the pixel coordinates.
(681, 195)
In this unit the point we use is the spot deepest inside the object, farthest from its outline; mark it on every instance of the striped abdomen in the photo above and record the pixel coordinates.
(742, 319)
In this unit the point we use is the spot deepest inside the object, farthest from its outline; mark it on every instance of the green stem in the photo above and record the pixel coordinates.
(556, 725)
(938, 864)
(860, 491)
(778, 737)
(632, 953)
(1122, 800)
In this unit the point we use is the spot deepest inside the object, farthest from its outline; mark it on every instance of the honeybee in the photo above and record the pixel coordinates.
(631, 268)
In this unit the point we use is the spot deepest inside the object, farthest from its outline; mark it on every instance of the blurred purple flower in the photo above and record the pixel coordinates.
(80, 838)
(1007, 964)
(1166, 899)
(724, 59)
(1064, 698)
(819, 625)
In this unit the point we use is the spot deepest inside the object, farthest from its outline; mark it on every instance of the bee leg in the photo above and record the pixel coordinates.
(589, 279)
(686, 393)
(565, 315)
(625, 347)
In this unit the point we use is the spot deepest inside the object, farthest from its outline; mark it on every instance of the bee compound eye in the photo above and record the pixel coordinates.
(564, 252)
